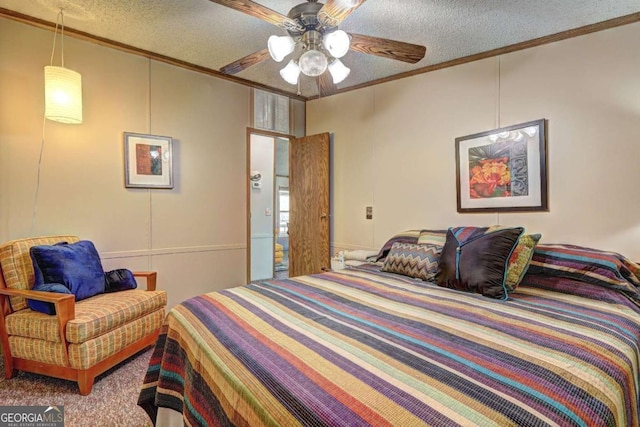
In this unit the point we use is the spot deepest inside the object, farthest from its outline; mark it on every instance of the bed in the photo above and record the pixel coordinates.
(365, 347)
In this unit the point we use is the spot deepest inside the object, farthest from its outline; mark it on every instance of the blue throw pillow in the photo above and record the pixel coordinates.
(76, 266)
(119, 280)
(47, 307)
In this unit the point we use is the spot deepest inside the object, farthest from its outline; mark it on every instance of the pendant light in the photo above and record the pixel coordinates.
(62, 86)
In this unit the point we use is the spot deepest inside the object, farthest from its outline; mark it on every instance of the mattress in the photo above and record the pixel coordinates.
(359, 347)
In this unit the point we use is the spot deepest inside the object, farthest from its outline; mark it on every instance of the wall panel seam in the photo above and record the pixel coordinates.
(170, 251)
(352, 247)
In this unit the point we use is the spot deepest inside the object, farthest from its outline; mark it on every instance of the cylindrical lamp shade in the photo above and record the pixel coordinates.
(63, 95)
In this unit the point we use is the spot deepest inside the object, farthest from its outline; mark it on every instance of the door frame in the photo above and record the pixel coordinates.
(263, 132)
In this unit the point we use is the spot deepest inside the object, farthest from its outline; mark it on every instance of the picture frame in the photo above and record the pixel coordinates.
(148, 161)
(503, 170)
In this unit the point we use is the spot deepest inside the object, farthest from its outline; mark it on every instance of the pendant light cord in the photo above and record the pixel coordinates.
(35, 198)
(59, 23)
(59, 20)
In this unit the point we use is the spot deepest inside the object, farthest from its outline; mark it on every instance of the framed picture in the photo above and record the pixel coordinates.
(503, 170)
(148, 161)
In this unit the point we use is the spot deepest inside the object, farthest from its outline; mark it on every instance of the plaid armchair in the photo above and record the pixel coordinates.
(83, 339)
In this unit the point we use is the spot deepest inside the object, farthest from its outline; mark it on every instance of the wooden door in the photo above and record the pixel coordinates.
(309, 250)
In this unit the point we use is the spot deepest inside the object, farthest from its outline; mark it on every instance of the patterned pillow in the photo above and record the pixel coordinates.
(409, 236)
(432, 237)
(475, 260)
(520, 259)
(602, 268)
(408, 259)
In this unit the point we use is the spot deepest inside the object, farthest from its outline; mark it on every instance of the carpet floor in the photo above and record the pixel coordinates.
(112, 401)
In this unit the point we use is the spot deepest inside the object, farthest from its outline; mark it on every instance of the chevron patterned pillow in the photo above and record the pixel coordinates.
(409, 236)
(408, 259)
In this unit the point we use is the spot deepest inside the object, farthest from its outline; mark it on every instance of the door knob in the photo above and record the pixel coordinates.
(323, 216)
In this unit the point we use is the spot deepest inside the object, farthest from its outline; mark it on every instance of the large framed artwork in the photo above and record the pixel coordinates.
(503, 170)
(148, 161)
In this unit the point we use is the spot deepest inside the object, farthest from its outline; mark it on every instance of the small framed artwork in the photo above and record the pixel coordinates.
(503, 170)
(148, 161)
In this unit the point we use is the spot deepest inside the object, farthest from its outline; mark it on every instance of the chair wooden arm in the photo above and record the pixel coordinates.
(36, 295)
(151, 277)
(65, 304)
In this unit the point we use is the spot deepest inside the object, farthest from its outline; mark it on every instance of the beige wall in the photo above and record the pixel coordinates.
(192, 235)
(393, 149)
(394, 143)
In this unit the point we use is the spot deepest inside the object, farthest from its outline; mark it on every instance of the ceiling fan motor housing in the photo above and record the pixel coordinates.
(306, 14)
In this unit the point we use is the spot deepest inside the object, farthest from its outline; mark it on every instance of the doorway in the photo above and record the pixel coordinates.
(288, 224)
(282, 209)
(268, 206)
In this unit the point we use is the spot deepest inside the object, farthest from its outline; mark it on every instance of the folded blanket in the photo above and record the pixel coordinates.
(359, 255)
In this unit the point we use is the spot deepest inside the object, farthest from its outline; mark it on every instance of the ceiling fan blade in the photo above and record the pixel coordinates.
(335, 11)
(387, 48)
(326, 86)
(246, 62)
(261, 12)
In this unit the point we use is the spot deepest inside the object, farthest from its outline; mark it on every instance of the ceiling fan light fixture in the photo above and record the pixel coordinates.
(350, 3)
(313, 63)
(280, 46)
(291, 72)
(337, 43)
(338, 71)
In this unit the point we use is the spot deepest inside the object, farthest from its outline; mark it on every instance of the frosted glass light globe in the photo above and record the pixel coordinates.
(279, 47)
(290, 73)
(313, 63)
(337, 43)
(338, 71)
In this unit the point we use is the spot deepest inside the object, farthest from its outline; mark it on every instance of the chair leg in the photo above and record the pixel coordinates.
(9, 371)
(85, 382)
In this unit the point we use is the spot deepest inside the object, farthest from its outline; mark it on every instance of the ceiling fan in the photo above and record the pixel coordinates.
(314, 27)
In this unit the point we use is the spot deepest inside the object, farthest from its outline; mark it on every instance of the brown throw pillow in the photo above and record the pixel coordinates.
(475, 260)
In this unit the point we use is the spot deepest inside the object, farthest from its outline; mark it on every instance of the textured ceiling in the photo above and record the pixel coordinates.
(210, 35)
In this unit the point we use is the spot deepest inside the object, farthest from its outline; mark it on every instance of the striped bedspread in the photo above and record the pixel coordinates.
(358, 347)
